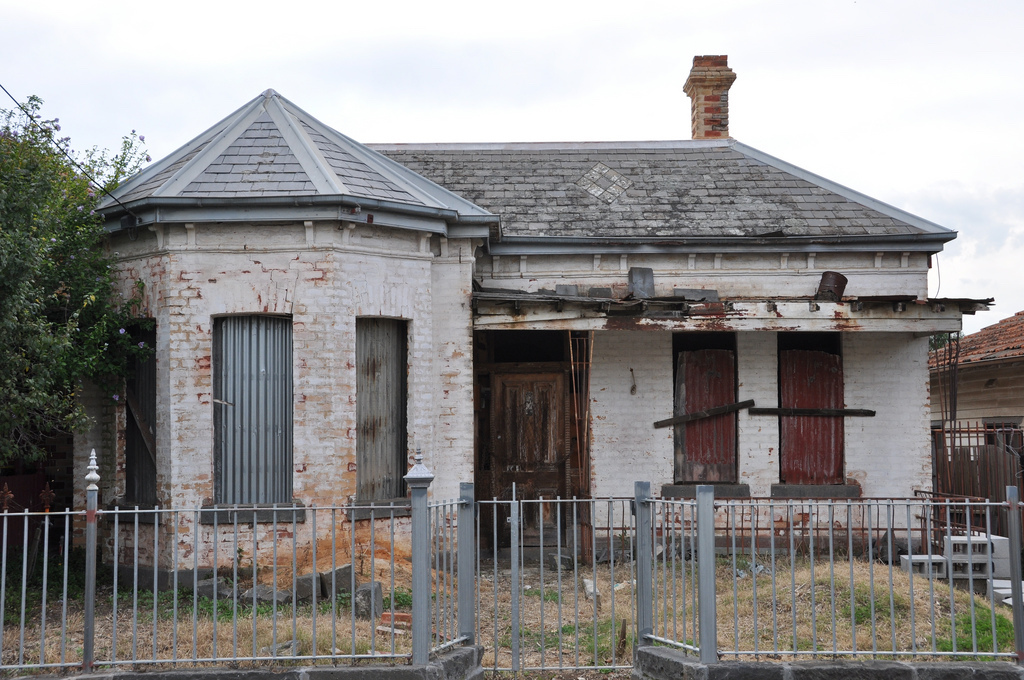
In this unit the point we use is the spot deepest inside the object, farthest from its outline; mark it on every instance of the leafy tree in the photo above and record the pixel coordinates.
(60, 320)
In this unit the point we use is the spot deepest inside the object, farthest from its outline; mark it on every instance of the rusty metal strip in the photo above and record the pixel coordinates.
(707, 413)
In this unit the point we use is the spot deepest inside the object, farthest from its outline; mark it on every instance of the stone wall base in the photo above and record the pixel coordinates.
(661, 663)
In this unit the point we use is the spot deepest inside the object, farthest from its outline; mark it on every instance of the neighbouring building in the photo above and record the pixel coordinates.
(558, 318)
(980, 379)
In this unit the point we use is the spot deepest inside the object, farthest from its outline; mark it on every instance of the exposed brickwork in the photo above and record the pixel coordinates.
(708, 89)
(324, 288)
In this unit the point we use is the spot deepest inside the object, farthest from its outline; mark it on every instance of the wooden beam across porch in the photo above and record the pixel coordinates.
(707, 413)
(831, 412)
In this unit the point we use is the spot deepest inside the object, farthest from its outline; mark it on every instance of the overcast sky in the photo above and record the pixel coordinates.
(918, 104)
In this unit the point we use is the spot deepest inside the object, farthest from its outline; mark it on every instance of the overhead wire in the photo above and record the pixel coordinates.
(68, 155)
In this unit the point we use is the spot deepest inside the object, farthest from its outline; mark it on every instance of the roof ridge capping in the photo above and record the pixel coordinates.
(550, 146)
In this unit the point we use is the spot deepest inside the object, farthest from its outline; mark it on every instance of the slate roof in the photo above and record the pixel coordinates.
(1001, 340)
(677, 189)
(271, 149)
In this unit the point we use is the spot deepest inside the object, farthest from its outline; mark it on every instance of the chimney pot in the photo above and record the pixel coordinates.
(709, 82)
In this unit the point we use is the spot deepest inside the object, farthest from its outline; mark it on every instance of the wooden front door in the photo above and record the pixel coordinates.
(530, 443)
(705, 450)
(811, 447)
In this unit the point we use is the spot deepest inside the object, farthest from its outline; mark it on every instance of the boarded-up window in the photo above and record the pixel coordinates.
(140, 428)
(810, 377)
(381, 379)
(252, 393)
(705, 449)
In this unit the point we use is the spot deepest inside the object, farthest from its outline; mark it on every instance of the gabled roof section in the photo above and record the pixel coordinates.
(1001, 340)
(272, 153)
(656, 194)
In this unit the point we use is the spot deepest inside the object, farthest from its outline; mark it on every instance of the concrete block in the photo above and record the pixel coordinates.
(961, 567)
(929, 566)
(979, 546)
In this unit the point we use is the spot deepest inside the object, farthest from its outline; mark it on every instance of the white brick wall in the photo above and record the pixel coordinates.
(758, 445)
(625, 446)
(888, 454)
(324, 288)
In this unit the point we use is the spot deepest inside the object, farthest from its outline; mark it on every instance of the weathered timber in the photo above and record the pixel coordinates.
(707, 413)
(832, 412)
(147, 433)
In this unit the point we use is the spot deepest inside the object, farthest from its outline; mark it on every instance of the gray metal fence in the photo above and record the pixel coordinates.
(556, 584)
(542, 585)
(774, 579)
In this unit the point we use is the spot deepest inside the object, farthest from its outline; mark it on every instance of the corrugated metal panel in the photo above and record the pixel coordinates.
(252, 391)
(811, 447)
(140, 463)
(381, 403)
(706, 448)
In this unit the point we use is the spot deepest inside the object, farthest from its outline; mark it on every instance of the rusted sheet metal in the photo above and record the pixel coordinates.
(705, 448)
(381, 397)
(530, 440)
(811, 447)
(735, 315)
(252, 394)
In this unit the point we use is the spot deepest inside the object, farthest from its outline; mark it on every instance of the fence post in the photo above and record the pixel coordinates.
(707, 608)
(91, 504)
(517, 584)
(644, 563)
(466, 564)
(418, 480)
(1013, 526)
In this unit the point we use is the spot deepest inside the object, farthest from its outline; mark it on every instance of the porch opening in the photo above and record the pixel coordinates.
(532, 422)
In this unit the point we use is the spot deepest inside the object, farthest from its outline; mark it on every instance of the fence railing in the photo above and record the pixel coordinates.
(556, 584)
(545, 584)
(890, 578)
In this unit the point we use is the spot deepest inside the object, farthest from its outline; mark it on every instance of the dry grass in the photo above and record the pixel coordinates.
(559, 626)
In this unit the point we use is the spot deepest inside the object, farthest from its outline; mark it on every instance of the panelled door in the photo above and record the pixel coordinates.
(705, 450)
(811, 447)
(530, 442)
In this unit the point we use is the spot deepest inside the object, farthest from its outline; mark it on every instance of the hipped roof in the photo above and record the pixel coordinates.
(691, 192)
(270, 155)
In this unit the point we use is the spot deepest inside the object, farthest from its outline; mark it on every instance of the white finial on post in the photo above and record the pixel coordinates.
(93, 476)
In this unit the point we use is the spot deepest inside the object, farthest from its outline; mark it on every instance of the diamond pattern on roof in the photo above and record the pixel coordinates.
(604, 183)
(676, 190)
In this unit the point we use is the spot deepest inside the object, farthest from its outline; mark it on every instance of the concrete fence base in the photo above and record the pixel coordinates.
(660, 663)
(462, 663)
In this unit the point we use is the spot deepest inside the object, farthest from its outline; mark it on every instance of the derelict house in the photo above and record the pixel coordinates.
(562, 318)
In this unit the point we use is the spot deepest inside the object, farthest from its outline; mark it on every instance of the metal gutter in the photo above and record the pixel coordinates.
(540, 245)
(237, 209)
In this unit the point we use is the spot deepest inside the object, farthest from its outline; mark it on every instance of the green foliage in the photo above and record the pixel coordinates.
(402, 598)
(862, 604)
(60, 319)
(965, 636)
(940, 340)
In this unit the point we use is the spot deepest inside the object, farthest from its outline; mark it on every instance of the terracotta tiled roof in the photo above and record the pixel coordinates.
(1001, 340)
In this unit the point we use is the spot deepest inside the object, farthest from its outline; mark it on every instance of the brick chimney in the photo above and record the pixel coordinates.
(708, 89)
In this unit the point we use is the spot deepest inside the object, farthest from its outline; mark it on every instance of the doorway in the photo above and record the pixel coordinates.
(531, 425)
